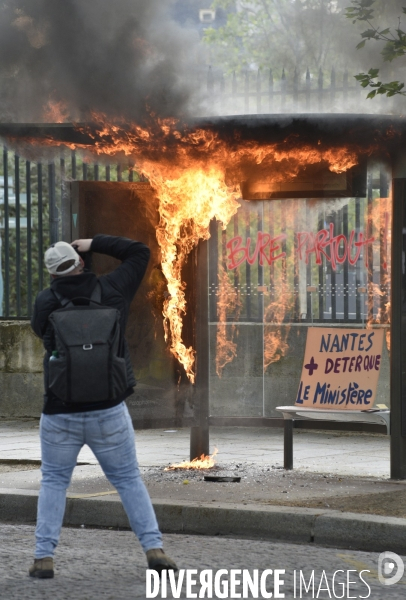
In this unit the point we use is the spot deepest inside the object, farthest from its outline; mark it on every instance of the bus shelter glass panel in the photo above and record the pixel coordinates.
(281, 266)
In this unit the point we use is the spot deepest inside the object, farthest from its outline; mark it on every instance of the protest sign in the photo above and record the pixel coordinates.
(340, 368)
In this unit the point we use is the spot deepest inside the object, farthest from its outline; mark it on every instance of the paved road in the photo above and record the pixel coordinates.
(109, 565)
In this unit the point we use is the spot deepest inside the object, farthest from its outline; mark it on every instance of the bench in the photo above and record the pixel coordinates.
(290, 413)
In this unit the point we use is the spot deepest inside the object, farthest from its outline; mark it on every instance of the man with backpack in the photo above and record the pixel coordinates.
(88, 374)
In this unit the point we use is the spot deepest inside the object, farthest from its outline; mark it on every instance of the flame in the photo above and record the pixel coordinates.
(196, 176)
(282, 296)
(55, 112)
(229, 301)
(275, 338)
(187, 204)
(379, 294)
(204, 462)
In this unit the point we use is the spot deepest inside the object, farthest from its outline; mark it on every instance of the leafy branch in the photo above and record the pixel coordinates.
(390, 89)
(395, 47)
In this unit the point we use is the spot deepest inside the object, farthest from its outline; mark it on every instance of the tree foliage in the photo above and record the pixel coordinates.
(281, 33)
(394, 40)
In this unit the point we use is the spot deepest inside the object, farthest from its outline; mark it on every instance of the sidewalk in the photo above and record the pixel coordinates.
(338, 493)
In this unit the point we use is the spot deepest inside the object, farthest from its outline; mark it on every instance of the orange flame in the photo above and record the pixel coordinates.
(204, 462)
(187, 204)
(276, 336)
(55, 112)
(196, 176)
(229, 301)
(379, 222)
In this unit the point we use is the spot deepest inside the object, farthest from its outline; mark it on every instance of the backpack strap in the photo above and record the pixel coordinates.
(62, 301)
(96, 294)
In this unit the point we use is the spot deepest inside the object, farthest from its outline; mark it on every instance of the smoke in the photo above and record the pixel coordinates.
(128, 59)
(277, 55)
(62, 61)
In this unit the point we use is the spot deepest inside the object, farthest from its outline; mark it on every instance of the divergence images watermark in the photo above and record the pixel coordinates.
(390, 568)
(271, 583)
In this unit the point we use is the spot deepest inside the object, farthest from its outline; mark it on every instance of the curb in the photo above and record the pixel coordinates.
(325, 527)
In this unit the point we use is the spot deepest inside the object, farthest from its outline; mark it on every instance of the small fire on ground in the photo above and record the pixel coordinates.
(204, 462)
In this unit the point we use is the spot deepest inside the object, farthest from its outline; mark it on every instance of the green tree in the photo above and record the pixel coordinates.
(282, 33)
(393, 39)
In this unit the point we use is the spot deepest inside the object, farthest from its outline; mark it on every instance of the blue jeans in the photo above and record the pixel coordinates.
(110, 435)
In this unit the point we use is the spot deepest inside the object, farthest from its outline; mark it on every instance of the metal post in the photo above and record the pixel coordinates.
(40, 229)
(66, 213)
(53, 211)
(345, 88)
(234, 88)
(29, 237)
(333, 87)
(210, 87)
(358, 265)
(320, 89)
(246, 91)
(398, 330)
(295, 90)
(18, 232)
(308, 88)
(199, 434)
(259, 98)
(345, 279)
(311, 289)
(199, 442)
(283, 90)
(270, 91)
(288, 444)
(222, 89)
(6, 237)
(73, 164)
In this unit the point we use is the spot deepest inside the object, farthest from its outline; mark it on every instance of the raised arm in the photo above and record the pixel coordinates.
(134, 257)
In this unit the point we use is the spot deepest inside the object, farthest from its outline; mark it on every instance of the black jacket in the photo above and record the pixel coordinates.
(118, 289)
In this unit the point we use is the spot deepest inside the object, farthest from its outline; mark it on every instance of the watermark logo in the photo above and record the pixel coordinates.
(390, 568)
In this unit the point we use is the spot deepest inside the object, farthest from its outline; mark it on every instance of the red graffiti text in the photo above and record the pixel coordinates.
(265, 250)
(336, 249)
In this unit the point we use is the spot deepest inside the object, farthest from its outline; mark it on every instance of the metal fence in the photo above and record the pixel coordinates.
(31, 192)
(31, 218)
(265, 91)
(277, 273)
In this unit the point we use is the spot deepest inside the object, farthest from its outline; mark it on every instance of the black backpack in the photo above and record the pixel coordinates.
(86, 366)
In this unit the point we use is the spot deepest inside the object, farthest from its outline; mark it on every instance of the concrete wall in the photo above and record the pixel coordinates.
(244, 389)
(21, 379)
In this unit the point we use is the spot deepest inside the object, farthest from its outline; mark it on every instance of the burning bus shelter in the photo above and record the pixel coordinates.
(260, 227)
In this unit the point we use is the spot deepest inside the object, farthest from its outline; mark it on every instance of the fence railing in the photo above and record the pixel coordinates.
(265, 91)
(31, 218)
(346, 279)
(31, 192)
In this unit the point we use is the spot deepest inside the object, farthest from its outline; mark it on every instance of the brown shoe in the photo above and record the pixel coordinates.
(158, 561)
(43, 568)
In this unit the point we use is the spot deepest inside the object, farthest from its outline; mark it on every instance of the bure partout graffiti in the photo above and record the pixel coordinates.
(336, 249)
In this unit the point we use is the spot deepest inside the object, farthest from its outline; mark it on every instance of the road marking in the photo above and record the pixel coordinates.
(373, 574)
(359, 565)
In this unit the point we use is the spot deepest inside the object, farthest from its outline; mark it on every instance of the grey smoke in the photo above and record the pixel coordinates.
(123, 58)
